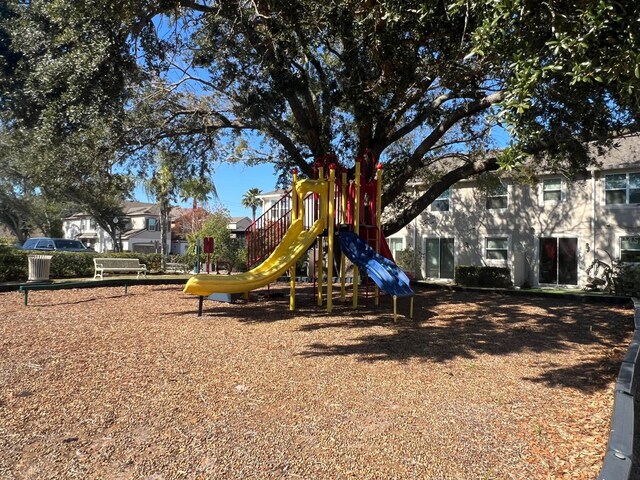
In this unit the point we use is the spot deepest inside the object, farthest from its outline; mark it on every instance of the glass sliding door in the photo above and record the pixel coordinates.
(558, 261)
(446, 258)
(568, 261)
(432, 257)
(439, 257)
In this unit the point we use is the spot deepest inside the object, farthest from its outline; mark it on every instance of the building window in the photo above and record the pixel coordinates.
(552, 190)
(630, 249)
(498, 197)
(622, 188)
(83, 225)
(152, 224)
(441, 204)
(92, 224)
(496, 248)
(396, 245)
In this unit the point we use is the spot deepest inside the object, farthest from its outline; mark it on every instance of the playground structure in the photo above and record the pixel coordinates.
(316, 210)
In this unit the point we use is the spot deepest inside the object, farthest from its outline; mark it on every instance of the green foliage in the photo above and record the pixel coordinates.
(7, 241)
(251, 200)
(14, 264)
(406, 259)
(483, 276)
(573, 70)
(627, 279)
(71, 265)
(230, 251)
(312, 78)
(65, 64)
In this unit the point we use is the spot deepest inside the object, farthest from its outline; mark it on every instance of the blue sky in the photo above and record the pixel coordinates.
(232, 180)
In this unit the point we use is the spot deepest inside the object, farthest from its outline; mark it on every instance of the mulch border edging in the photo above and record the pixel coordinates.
(620, 461)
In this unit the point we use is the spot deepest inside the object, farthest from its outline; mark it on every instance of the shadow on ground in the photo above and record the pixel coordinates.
(452, 325)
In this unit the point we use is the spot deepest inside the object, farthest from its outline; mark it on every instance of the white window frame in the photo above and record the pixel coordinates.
(619, 244)
(485, 249)
(627, 189)
(441, 199)
(402, 241)
(156, 225)
(493, 194)
(562, 191)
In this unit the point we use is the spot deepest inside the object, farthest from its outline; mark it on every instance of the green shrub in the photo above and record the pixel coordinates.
(8, 241)
(406, 259)
(498, 277)
(627, 279)
(71, 264)
(187, 260)
(14, 263)
(467, 275)
(476, 276)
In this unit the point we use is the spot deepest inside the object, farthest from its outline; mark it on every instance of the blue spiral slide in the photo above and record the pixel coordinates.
(385, 274)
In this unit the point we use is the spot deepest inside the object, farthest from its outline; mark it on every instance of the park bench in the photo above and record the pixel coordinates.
(118, 265)
(176, 267)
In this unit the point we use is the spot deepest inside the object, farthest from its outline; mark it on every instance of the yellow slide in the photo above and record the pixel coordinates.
(293, 245)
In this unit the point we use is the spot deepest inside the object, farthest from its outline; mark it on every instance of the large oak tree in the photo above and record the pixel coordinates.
(422, 85)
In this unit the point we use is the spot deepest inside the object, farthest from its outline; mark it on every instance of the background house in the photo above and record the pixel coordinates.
(139, 230)
(548, 233)
(238, 227)
(277, 203)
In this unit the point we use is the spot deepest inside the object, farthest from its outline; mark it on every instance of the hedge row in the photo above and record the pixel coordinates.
(14, 265)
(474, 276)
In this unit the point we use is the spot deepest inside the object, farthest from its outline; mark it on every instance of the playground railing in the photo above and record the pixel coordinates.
(264, 235)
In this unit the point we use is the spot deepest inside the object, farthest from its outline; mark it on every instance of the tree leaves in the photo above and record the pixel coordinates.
(313, 78)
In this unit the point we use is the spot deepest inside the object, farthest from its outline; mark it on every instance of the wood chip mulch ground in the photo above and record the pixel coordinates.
(98, 384)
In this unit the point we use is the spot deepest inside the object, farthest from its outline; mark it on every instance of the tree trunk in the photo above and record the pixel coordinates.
(164, 227)
(114, 240)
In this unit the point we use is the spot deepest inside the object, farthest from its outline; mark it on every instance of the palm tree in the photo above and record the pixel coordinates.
(251, 200)
(162, 186)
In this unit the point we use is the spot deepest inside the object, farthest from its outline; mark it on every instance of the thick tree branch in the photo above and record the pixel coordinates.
(435, 190)
(418, 120)
(415, 161)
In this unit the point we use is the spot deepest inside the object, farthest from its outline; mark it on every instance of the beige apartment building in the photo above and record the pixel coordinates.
(547, 234)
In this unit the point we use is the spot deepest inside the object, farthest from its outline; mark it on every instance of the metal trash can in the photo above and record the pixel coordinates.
(39, 267)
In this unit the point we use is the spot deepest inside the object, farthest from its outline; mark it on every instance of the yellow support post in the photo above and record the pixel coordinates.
(294, 216)
(411, 309)
(343, 260)
(356, 230)
(331, 213)
(395, 308)
(320, 269)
